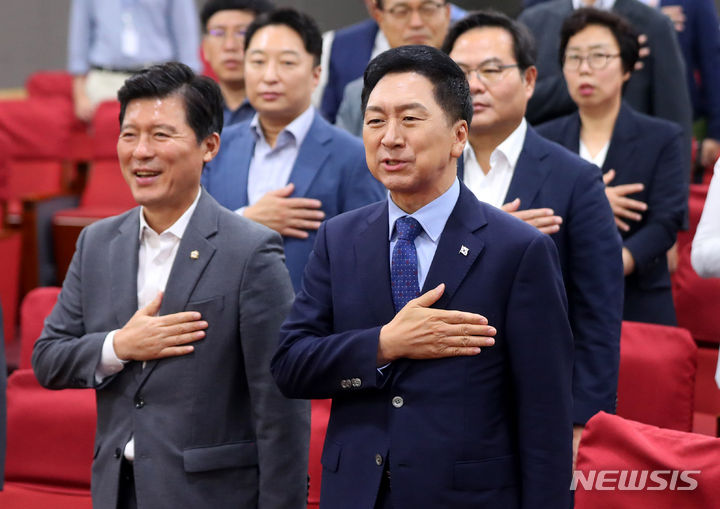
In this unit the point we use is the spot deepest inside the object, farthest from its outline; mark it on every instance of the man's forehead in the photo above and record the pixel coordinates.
(403, 90)
(161, 110)
(234, 15)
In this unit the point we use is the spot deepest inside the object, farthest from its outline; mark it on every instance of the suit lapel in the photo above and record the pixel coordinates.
(237, 185)
(186, 269)
(311, 156)
(530, 172)
(621, 152)
(372, 252)
(124, 267)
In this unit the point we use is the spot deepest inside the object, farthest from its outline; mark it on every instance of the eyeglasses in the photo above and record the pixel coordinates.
(487, 73)
(595, 61)
(221, 33)
(403, 12)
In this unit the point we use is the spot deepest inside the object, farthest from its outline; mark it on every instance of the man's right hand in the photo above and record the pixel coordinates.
(291, 217)
(421, 332)
(146, 336)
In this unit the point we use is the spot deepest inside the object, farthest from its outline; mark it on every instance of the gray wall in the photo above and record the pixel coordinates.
(33, 33)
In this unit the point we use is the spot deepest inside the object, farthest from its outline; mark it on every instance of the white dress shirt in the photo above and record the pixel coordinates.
(155, 259)
(598, 4)
(599, 158)
(493, 187)
(270, 167)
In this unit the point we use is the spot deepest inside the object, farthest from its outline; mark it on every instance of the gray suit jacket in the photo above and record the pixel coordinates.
(349, 115)
(211, 429)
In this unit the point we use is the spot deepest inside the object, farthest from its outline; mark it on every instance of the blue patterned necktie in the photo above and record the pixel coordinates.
(404, 266)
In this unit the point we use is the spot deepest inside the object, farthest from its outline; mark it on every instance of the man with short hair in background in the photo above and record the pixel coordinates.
(224, 24)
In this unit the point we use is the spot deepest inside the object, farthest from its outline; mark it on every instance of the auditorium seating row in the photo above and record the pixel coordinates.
(50, 433)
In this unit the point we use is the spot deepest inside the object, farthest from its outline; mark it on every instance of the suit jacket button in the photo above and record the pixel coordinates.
(118, 453)
(397, 402)
(378, 460)
(139, 403)
(356, 382)
(345, 384)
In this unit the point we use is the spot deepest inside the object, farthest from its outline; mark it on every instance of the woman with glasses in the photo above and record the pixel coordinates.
(640, 156)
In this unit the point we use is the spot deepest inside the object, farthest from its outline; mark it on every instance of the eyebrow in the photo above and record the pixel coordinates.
(592, 46)
(401, 107)
(282, 52)
(166, 127)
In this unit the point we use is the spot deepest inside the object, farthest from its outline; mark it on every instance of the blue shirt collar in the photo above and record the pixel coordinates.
(296, 130)
(432, 217)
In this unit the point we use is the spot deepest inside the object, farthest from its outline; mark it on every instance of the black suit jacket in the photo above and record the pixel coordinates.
(647, 150)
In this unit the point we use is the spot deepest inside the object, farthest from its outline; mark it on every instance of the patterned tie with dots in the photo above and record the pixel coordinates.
(404, 266)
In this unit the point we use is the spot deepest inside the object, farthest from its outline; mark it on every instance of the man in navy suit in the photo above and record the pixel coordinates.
(507, 164)
(287, 168)
(458, 395)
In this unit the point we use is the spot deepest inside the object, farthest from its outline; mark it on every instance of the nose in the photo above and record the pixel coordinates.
(270, 74)
(392, 137)
(585, 65)
(143, 148)
(416, 19)
(477, 86)
(231, 42)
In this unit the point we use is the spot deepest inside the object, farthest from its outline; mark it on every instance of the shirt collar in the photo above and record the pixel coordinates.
(432, 217)
(178, 228)
(297, 129)
(599, 4)
(381, 44)
(512, 145)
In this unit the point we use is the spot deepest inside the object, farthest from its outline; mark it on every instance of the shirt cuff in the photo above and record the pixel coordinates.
(240, 211)
(109, 362)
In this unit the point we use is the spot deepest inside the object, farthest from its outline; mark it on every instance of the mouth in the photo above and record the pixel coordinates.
(586, 89)
(393, 164)
(479, 106)
(145, 176)
(232, 64)
(270, 96)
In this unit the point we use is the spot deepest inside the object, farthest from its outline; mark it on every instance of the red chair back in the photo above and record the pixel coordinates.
(672, 469)
(696, 300)
(36, 306)
(656, 384)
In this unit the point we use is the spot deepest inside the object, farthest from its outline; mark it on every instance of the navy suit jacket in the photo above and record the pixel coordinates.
(647, 150)
(330, 167)
(491, 430)
(546, 175)
(700, 45)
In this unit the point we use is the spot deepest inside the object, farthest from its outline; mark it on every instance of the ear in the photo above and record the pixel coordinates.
(530, 77)
(316, 72)
(210, 146)
(460, 136)
(626, 76)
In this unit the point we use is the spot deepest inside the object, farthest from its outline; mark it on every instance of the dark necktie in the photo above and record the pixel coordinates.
(404, 266)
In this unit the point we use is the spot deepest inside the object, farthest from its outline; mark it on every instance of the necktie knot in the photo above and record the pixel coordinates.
(408, 228)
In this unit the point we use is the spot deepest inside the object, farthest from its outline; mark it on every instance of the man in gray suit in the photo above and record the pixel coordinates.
(171, 313)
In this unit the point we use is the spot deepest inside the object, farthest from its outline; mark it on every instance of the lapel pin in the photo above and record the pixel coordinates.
(464, 250)
(195, 254)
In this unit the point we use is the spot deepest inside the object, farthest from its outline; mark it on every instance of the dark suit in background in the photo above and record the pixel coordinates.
(646, 150)
(210, 427)
(330, 167)
(547, 176)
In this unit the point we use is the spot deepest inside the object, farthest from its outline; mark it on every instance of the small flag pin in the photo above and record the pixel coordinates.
(464, 250)
(195, 254)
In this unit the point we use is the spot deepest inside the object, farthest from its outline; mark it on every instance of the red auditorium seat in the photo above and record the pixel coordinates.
(10, 245)
(36, 306)
(696, 300)
(696, 202)
(50, 434)
(674, 462)
(656, 384)
(318, 421)
(105, 194)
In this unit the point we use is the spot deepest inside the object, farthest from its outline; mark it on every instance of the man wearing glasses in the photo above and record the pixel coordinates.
(402, 22)
(507, 164)
(224, 25)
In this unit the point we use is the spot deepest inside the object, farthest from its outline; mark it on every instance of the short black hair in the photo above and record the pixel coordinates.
(379, 3)
(523, 41)
(304, 25)
(450, 87)
(624, 33)
(212, 6)
(202, 96)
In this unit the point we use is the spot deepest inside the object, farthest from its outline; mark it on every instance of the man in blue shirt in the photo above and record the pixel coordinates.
(224, 25)
(287, 168)
(111, 39)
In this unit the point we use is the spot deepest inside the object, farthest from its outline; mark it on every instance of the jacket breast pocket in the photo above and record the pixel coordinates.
(488, 474)
(216, 457)
(211, 305)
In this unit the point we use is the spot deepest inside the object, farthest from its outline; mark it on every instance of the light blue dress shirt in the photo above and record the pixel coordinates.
(432, 217)
(270, 167)
(166, 30)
